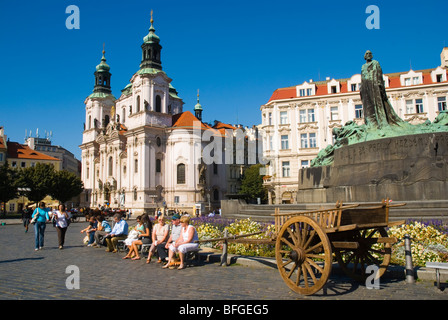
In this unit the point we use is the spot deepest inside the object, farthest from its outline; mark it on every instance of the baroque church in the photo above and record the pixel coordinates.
(142, 151)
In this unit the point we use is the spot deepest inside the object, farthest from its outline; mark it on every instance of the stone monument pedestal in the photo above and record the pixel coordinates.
(405, 168)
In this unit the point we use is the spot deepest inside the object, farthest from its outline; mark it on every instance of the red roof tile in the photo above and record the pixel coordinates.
(21, 151)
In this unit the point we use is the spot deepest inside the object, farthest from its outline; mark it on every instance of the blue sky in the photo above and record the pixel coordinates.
(235, 52)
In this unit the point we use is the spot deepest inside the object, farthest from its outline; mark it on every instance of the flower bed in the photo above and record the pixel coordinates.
(429, 239)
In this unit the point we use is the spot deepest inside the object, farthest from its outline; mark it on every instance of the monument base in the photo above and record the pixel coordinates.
(406, 168)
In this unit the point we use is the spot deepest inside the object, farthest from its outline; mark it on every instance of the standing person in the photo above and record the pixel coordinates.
(103, 228)
(26, 217)
(62, 217)
(42, 216)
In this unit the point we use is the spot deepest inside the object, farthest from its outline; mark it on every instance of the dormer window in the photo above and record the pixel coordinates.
(411, 78)
(306, 89)
(438, 75)
(333, 86)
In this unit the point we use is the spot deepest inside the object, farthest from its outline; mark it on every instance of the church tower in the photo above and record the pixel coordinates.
(102, 77)
(100, 104)
(151, 49)
(198, 110)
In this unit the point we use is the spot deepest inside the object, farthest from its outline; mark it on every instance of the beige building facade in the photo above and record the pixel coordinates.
(297, 121)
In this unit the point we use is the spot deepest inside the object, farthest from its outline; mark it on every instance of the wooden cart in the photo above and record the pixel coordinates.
(356, 234)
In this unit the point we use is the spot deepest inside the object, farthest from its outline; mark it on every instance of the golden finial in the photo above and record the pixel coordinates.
(152, 20)
(198, 95)
(104, 44)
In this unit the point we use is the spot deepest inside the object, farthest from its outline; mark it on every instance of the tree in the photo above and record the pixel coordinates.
(252, 183)
(8, 188)
(66, 185)
(39, 180)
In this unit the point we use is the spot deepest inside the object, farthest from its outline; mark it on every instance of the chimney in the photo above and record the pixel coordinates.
(444, 58)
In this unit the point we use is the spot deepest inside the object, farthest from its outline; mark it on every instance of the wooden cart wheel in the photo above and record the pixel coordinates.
(374, 249)
(303, 254)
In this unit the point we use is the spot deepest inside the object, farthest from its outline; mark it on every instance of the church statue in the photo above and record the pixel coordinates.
(378, 111)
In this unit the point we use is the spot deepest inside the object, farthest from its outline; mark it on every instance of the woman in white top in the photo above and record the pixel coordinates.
(159, 236)
(62, 217)
(186, 242)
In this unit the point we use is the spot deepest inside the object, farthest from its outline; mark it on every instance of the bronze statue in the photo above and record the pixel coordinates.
(378, 111)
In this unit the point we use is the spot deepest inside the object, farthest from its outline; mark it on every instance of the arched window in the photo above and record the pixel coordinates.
(111, 162)
(158, 104)
(138, 104)
(135, 166)
(123, 115)
(181, 173)
(90, 123)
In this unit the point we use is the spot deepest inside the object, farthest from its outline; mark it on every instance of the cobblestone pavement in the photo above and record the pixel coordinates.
(29, 275)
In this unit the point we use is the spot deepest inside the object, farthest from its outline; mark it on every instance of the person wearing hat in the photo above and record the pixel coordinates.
(162, 250)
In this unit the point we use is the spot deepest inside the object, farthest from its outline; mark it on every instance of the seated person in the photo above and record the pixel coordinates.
(159, 236)
(90, 230)
(162, 249)
(102, 229)
(144, 232)
(119, 232)
(186, 242)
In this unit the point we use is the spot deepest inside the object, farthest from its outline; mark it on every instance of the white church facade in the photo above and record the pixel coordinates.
(142, 151)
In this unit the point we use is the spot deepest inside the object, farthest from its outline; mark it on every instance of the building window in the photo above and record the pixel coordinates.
(306, 116)
(334, 113)
(22, 164)
(409, 106)
(158, 165)
(355, 86)
(135, 166)
(304, 140)
(158, 104)
(283, 117)
(284, 142)
(305, 163)
(334, 89)
(439, 77)
(416, 80)
(111, 172)
(308, 140)
(309, 92)
(407, 81)
(419, 105)
(216, 194)
(358, 111)
(311, 115)
(441, 103)
(271, 142)
(302, 116)
(14, 164)
(138, 104)
(312, 138)
(270, 118)
(302, 92)
(215, 168)
(135, 194)
(285, 169)
(181, 173)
